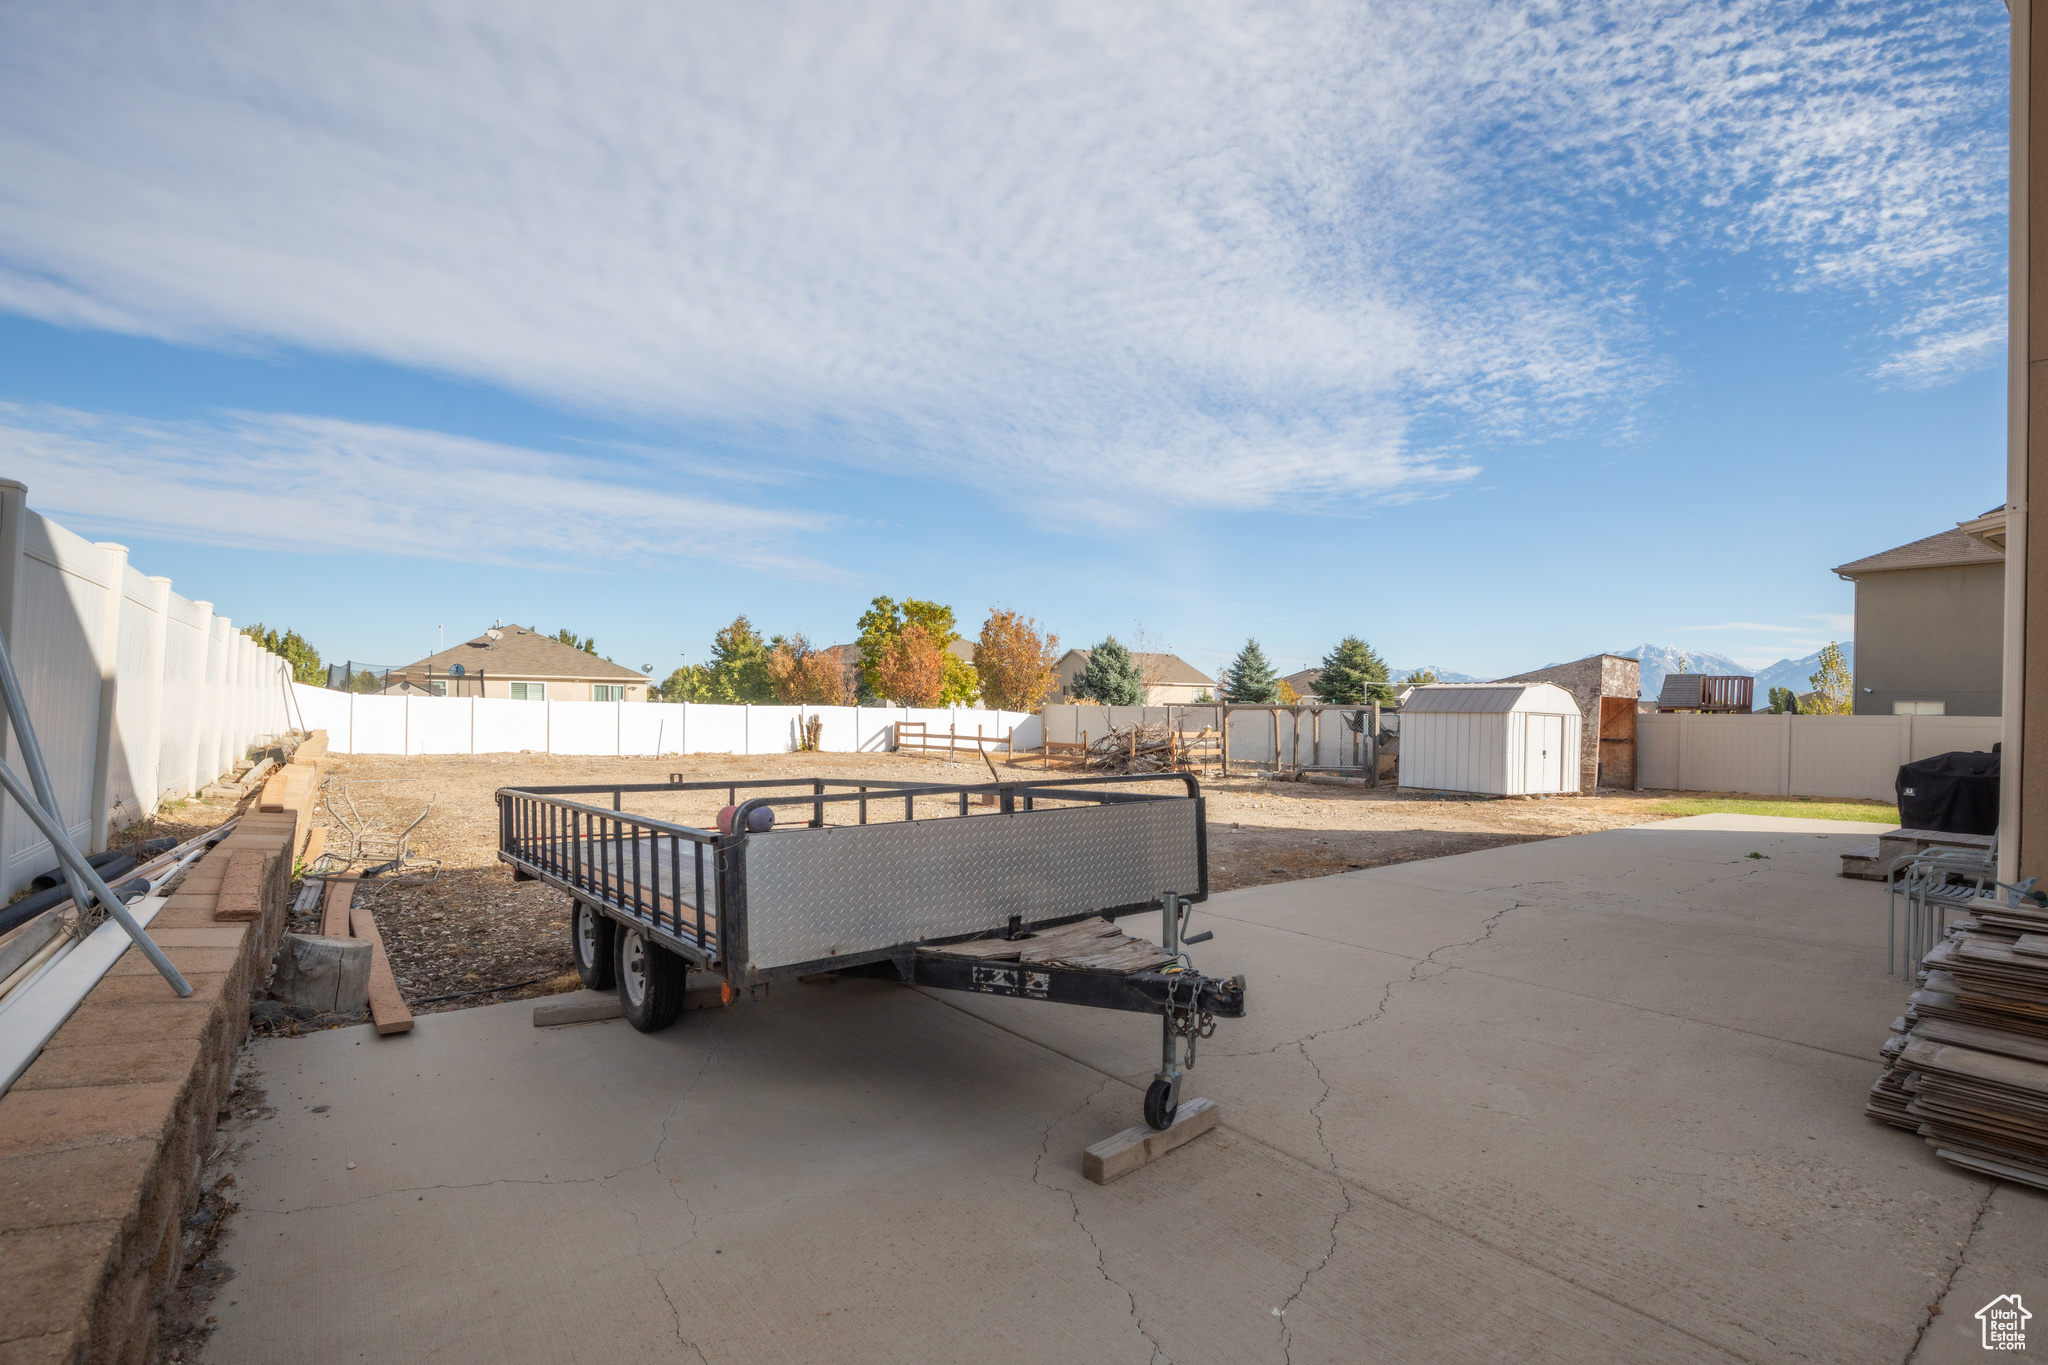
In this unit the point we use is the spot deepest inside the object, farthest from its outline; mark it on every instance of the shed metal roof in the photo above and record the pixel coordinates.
(1543, 698)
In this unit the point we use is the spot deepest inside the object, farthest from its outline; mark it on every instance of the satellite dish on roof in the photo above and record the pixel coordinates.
(647, 668)
(495, 634)
(458, 670)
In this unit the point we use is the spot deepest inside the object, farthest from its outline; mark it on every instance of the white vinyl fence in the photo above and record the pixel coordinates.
(135, 692)
(1786, 755)
(365, 724)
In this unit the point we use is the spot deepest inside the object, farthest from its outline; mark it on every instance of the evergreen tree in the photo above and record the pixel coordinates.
(1252, 679)
(588, 644)
(1112, 676)
(1352, 674)
(1421, 677)
(1784, 699)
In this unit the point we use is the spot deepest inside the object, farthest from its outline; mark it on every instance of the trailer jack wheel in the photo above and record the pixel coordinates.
(1159, 1103)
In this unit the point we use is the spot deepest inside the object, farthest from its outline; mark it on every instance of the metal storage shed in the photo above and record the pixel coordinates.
(1504, 739)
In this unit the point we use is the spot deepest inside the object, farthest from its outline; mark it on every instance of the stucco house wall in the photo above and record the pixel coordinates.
(1933, 634)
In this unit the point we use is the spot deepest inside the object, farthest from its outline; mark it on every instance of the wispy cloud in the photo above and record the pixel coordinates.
(313, 484)
(1088, 254)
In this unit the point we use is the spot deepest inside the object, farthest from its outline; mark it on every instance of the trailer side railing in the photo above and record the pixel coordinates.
(688, 885)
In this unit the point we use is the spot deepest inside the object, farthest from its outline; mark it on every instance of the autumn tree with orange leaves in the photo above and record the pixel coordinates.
(1014, 660)
(803, 676)
(912, 670)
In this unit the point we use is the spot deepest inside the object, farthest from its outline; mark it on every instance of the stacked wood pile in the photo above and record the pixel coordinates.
(1139, 748)
(1967, 1065)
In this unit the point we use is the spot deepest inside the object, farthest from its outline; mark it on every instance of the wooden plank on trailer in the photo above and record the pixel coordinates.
(387, 1006)
(334, 917)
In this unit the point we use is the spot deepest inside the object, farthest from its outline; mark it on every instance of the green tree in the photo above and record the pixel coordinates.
(1784, 699)
(569, 637)
(1352, 674)
(1112, 677)
(1421, 677)
(881, 625)
(1252, 680)
(739, 665)
(689, 683)
(293, 649)
(366, 682)
(1833, 684)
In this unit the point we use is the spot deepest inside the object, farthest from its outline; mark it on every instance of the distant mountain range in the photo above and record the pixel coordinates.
(1442, 674)
(1796, 674)
(1658, 660)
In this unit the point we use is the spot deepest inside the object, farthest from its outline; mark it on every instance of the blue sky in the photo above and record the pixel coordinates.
(1497, 334)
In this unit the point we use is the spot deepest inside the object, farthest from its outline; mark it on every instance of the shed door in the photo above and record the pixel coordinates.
(1543, 760)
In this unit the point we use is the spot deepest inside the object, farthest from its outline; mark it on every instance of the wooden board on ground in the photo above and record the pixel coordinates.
(580, 1007)
(387, 1006)
(334, 915)
(1135, 1146)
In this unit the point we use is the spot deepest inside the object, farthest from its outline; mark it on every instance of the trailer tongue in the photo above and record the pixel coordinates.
(998, 888)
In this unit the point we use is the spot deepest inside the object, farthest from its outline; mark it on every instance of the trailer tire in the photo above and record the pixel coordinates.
(651, 980)
(591, 932)
(1156, 1112)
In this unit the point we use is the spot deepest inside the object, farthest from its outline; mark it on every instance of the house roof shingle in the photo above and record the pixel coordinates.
(522, 652)
(1939, 550)
(1168, 670)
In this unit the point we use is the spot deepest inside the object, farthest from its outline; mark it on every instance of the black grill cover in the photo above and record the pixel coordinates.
(1953, 793)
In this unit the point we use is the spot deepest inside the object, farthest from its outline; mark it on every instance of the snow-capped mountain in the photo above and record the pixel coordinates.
(1658, 660)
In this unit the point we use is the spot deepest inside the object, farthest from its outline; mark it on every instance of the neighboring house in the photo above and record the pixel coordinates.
(1930, 623)
(521, 663)
(1304, 683)
(1169, 679)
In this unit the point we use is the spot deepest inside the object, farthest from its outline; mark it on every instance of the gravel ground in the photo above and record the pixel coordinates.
(460, 931)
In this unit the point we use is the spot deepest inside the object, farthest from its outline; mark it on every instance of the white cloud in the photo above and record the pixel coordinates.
(314, 484)
(1130, 255)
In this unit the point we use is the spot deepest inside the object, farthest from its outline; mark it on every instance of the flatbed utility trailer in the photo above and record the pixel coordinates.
(997, 888)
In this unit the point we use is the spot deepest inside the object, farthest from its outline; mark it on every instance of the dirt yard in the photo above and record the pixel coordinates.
(461, 932)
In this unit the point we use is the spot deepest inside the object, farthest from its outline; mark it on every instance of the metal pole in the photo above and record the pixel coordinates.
(79, 869)
(32, 754)
(1372, 747)
(1169, 914)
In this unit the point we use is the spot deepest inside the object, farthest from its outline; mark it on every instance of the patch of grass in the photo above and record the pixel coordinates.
(1797, 808)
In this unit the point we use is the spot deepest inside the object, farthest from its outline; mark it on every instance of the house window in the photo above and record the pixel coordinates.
(438, 688)
(1919, 708)
(607, 691)
(529, 691)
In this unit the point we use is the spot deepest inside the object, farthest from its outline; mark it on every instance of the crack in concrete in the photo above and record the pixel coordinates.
(418, 1189)
(1948, 1281)
(1300, 1044)
(1074, 1206)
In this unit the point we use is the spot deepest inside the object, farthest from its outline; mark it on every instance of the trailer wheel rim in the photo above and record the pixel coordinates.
(633, 966)
(586, 935)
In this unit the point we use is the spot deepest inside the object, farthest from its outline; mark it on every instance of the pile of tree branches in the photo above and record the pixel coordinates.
(1139, 748)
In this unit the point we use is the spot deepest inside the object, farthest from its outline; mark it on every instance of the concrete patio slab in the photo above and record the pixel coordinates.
(1594, 1099)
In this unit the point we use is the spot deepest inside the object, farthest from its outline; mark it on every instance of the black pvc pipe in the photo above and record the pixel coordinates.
(28, 907)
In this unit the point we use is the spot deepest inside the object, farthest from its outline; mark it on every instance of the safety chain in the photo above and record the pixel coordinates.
(1187, 1021)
